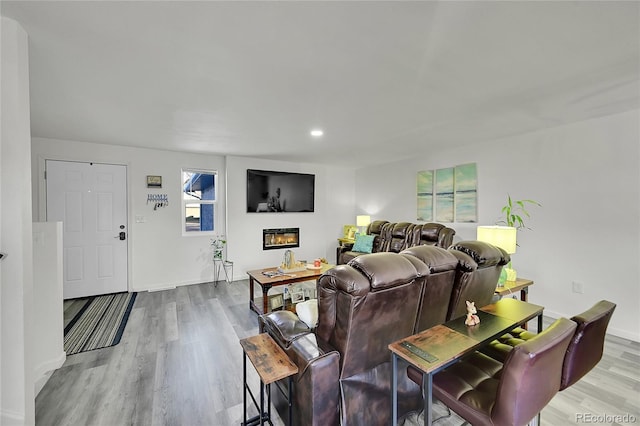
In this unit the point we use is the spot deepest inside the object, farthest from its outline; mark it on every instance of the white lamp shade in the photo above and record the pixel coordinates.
(501, 236)
(363, 220)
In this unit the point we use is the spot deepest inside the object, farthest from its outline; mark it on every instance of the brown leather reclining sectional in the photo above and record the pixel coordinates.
(395, 237)
(344, 364)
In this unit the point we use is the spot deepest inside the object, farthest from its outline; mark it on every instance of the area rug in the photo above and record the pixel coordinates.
(99, 323)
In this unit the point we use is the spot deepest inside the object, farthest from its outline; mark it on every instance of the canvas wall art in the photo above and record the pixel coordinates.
(425, 195)
(448, 195)
(444, 195)
(466, 200)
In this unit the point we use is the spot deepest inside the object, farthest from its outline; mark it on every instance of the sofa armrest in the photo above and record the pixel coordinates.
(316, 388)
(317, 384)
(345, 247)
(283, 326)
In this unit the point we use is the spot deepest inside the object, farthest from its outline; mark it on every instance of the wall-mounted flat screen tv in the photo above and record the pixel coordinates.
(272, 191)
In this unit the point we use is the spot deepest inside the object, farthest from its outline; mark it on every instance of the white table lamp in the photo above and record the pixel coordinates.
(505, 238)
(362, 221)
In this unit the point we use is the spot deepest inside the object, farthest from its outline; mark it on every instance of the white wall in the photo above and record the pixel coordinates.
(48, 311)
(586, 176)
(17, 405)
(319, 230)
(159, 255)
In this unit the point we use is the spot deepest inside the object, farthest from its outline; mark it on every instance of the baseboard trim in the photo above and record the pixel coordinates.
(8, 418)
(610, 330)
(43, 372)
(172, 286)
(151, 290)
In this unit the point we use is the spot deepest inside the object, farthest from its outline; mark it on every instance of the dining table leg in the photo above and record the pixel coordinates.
(539, 323)
(265, 297)
(394, 389)
(427, 391)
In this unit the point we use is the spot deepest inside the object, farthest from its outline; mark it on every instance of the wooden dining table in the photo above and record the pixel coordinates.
(438, 347)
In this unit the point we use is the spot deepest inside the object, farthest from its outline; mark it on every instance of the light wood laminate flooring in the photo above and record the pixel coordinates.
(180, 363)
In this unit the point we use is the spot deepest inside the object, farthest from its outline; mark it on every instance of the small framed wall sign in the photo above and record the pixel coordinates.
(154, 181)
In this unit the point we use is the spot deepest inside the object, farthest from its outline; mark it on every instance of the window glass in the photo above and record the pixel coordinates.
(198, 200)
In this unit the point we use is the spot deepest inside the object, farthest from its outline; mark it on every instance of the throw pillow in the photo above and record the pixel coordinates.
(364, 243)
(308, 312)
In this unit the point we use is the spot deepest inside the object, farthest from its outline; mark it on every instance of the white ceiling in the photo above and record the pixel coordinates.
(383, 79)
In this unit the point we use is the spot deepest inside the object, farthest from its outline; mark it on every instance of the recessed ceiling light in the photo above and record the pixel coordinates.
(316, 133)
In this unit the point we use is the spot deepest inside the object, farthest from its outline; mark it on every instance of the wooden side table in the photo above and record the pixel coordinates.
(271, 364)
(510, 287)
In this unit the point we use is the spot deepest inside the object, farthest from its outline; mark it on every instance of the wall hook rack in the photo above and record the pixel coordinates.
(158, 200)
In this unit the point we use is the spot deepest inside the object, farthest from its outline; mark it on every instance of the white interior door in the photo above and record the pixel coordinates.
(91, 200)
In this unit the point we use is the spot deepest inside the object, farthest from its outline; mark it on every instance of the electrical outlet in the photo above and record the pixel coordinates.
(578, 287)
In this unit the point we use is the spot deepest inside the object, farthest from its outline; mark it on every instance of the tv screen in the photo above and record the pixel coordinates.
(271, 191)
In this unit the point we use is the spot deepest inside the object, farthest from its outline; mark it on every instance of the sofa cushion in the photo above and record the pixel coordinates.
(363, 244)
(384, 270)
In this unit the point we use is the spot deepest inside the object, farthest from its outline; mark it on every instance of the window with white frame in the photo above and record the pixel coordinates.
(199, 190)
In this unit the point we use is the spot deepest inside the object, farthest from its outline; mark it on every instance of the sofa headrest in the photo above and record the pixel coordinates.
(465, 262)
(386, 270)
(484, 254)
(375, 227)
(437, 259)
(401, 229)
(430, 231)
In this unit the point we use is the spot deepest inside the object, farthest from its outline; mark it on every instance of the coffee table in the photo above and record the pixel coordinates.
(266, 282)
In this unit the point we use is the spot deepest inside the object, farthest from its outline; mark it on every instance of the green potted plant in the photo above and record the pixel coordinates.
(514, 211)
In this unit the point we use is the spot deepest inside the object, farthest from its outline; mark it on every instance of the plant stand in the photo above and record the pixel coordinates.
(226, 266)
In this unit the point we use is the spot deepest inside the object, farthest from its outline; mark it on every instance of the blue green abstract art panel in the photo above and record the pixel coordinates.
(466, 193)
(425, 195)
(444, 195)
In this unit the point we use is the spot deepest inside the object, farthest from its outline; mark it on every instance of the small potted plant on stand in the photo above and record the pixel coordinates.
(217, 244)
